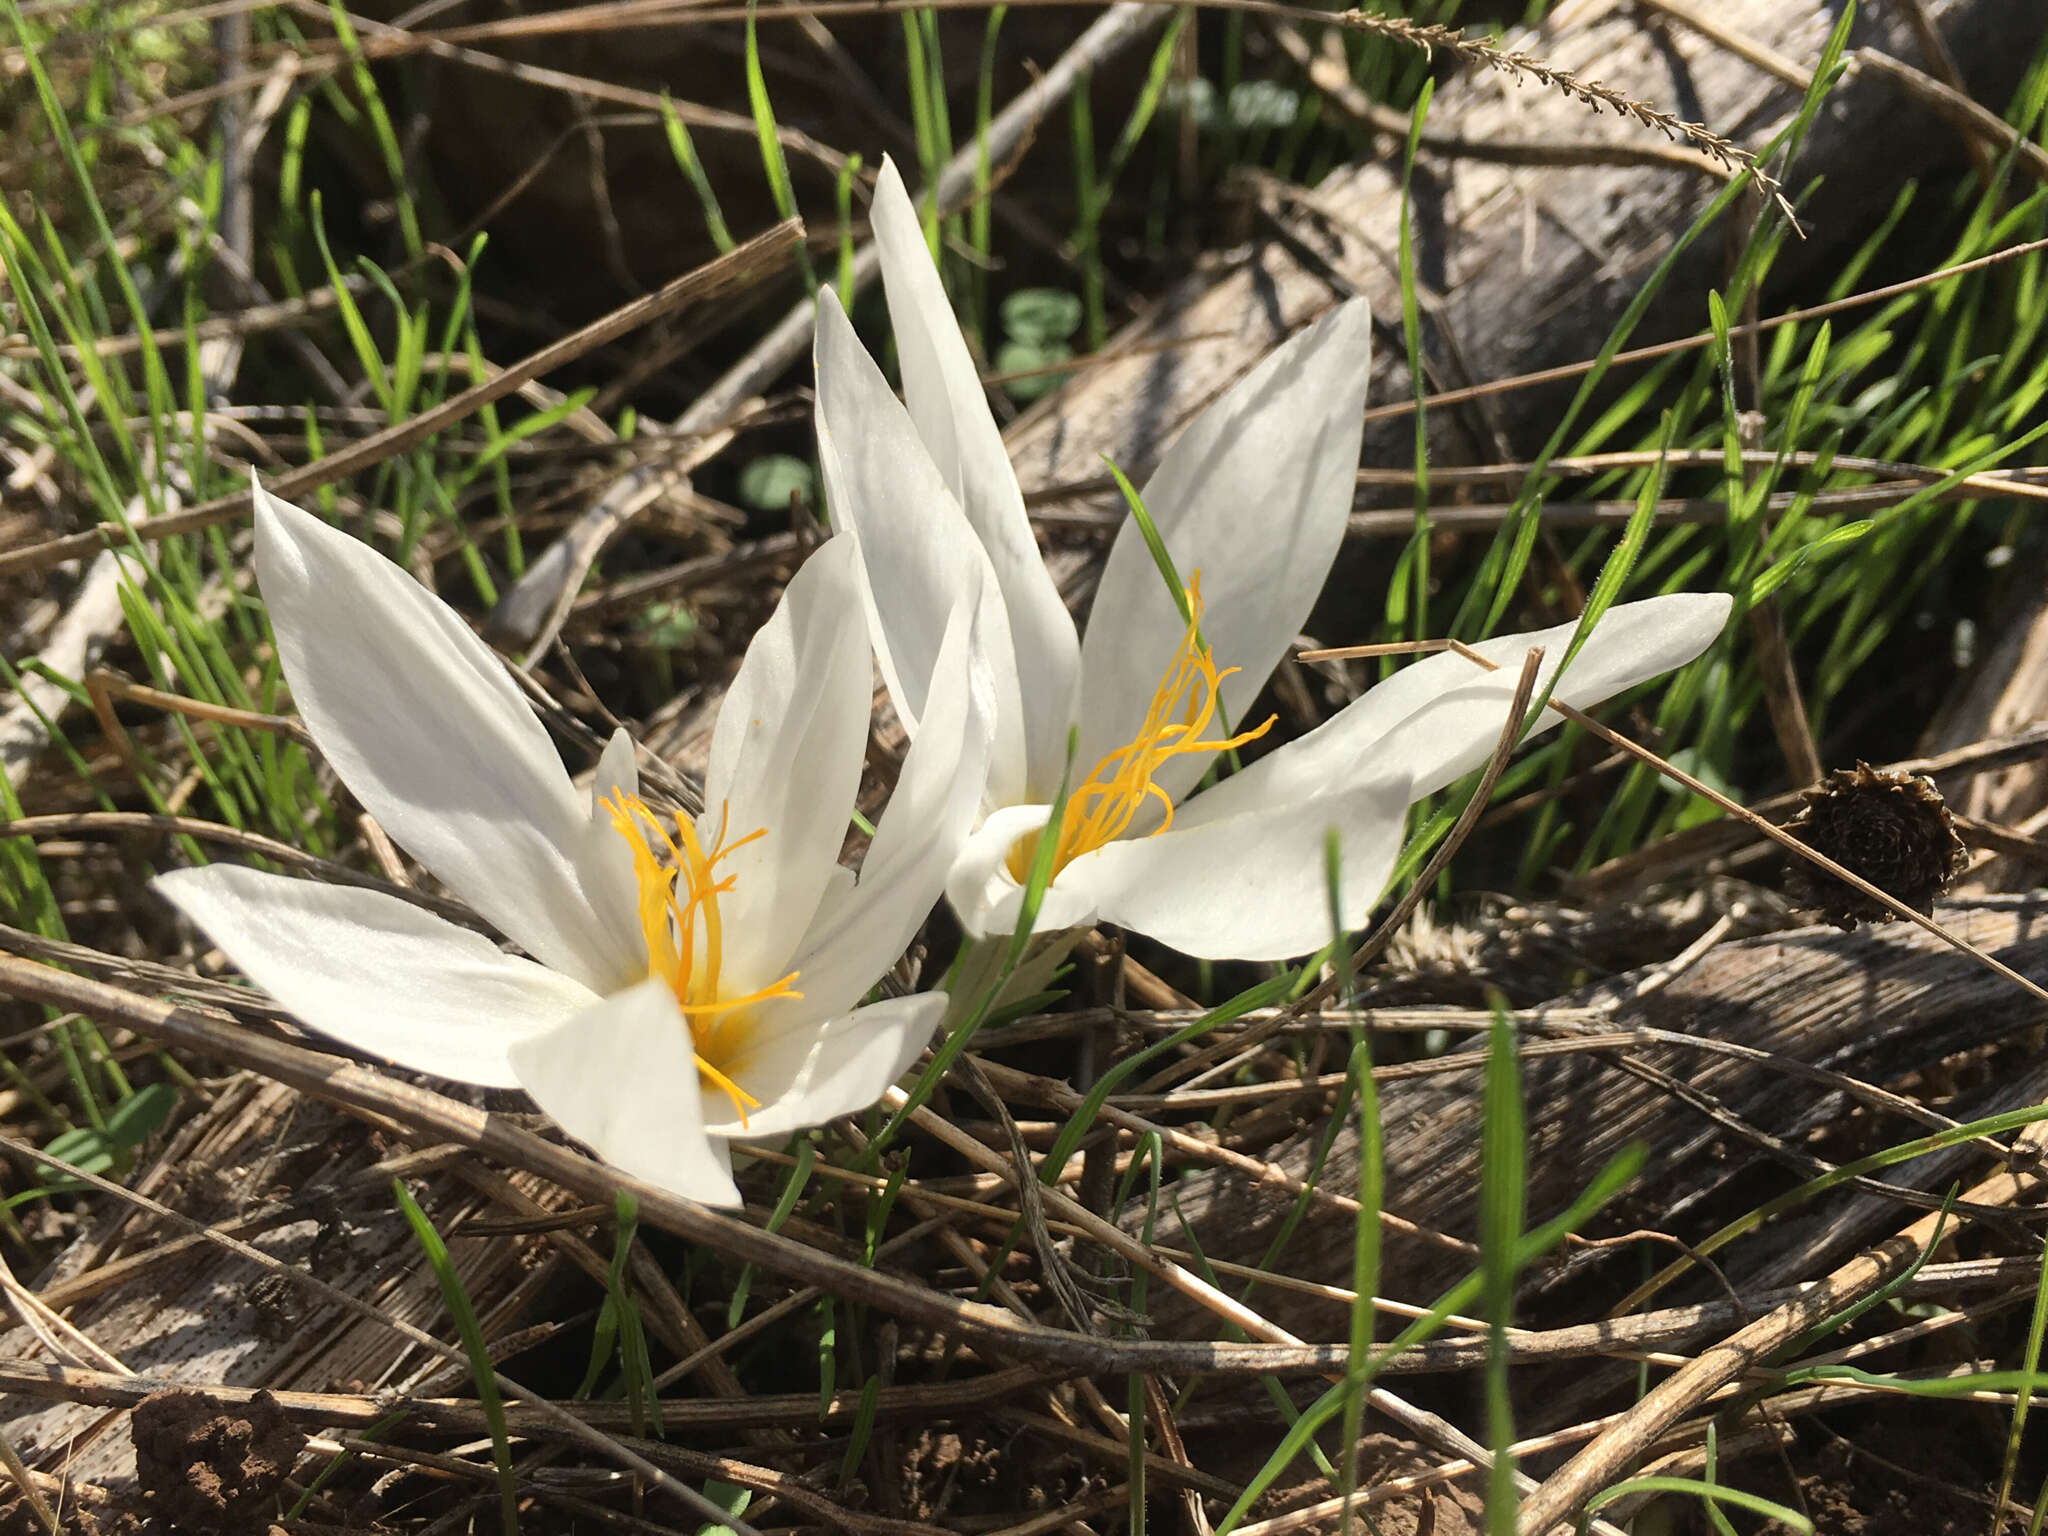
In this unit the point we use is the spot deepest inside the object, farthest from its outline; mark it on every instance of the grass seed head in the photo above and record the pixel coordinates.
(1891, 828)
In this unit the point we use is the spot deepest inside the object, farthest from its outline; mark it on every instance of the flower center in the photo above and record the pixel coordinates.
(680, 921)
(1102, 807)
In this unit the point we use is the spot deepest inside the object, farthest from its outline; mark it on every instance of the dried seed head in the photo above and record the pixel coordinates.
(1890, 828)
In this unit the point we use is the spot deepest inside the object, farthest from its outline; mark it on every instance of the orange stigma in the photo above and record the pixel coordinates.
(1102, 807)
(679, 919)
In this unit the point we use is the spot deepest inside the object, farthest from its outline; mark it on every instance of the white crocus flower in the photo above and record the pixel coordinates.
(692, 980)
(1251, 502)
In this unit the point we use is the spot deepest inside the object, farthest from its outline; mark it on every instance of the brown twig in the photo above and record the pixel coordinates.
(623, 15)
(759, 257)
(98, 824)
(1430, 1427)
(1722, 837)
(1331, 74)
(1623, 1441)
(1776, 834)
(557, 1418)
(523, 611)
(1565, 371)
(440, 1119)
(1984, 132)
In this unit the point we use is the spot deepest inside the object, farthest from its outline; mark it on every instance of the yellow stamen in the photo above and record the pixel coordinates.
(1103, 806)
(685, 936)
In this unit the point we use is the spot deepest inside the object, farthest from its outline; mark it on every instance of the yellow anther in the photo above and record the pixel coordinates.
(742, 1101)
(679, 920)
(1103, 806)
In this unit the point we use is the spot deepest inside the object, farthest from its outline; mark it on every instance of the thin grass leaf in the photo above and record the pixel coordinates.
(2037, 1327)
(335, 1464)
(1148, 1155)
(1415, 557)
(456, 1297)
(767, 132)
(1086, 240)
(1723, 1526)
(1749, 1221)
(863, 1430)
(981, 211)
(684, 148)
(843, 281)
(793, 1186)
(381, 131)
(1755, 1503)
(1612, 1178)
(1503, 1183)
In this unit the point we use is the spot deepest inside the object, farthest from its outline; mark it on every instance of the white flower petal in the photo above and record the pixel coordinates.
(930, 813)
(806, 1074)
(989, 900)
(943, 392)
(420, 721)
(786, 758)
(377, 973)
(1438, 719)
(1251, 887)
(622, 1079)
(918, 555)
(1254, 495)
(616, 772)
(604, 864)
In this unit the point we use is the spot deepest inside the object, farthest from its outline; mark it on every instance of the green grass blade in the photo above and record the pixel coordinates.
(766, 131)
(456, 1297)
(684, 148)
(1502, 1191)
(2037, 1326)
(1713, 1492)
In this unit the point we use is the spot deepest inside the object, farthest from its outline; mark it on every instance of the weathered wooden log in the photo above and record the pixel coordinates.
(205, 1317)
(2007, 691)
(1519, 292)
(1534, 262)
(1878, 1005)
(1534, 253)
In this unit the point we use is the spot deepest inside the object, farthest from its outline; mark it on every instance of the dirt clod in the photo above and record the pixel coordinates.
(79, 1519)
(1850, 1495)
(204, 1468)
(940, 1465)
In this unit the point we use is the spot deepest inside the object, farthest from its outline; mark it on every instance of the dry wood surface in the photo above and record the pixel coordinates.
(1878, 1005)
(1527, 266)
(1538, 219)
(1726, 1070)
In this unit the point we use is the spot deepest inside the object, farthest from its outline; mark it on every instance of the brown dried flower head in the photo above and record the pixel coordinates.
(1890, 828)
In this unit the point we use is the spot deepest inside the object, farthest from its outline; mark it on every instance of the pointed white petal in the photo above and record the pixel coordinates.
(1438, 719)
(786, 758)
(918, 555)
(375, 972)
(838, 890)
(419, 719)
(988, 899)
(943, 392)
(616, 771)
(930, 813)
(1255, 886)
(807, 1074)
(621, 1078)
(604, 863)
(1254, 495)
